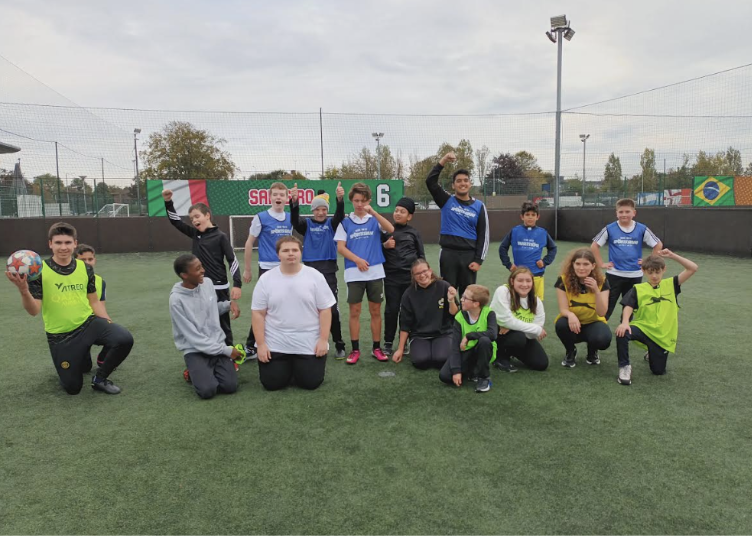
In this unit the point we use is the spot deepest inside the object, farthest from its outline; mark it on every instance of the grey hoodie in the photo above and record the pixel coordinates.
(195, 319)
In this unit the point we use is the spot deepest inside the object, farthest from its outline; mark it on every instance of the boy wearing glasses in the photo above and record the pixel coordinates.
(473, 341)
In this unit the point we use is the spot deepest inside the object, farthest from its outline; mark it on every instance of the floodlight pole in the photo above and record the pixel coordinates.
(136, 132)
(557, 147)
(584, 138)
(378, 136)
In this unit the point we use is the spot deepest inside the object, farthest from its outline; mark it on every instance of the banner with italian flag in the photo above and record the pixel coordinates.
(228, 198)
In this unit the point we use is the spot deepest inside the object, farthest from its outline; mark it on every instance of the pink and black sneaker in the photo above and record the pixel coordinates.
(353, 357)
(378, 353)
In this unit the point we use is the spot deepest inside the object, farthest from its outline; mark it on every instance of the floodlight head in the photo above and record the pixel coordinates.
(378, 135)
(583, 137)
(137, 131)
(568, 34)
(551, 37)
(559, 21)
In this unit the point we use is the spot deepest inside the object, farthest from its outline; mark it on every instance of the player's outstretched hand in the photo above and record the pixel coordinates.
(390, 243)
(340, 192)
(397, 356)
(167, 195)
(247, 276)
(667, 253)
(234, 310)
(294, 193)
(19, 280)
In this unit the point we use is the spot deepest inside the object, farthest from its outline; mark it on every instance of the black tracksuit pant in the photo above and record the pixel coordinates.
(619, 287)
(250, 342)
(224, 320)
(475, 362)
(657, 356)
(72, 356)
(453, 264)
(211, 374)
(393, 293)
(336, 330)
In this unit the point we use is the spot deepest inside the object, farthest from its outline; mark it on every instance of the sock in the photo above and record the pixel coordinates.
(376, 344)
(355, 345)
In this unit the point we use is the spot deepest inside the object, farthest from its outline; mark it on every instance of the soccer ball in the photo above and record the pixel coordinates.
(25, 262)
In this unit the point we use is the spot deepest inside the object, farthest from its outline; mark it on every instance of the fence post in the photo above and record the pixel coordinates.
(41, 193)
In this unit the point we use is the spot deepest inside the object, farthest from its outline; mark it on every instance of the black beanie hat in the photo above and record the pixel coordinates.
(408, 204)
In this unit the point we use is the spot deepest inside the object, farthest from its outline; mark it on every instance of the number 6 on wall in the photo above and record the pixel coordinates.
(382, 195)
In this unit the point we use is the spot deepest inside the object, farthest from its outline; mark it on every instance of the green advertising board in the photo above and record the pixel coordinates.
(230, 198)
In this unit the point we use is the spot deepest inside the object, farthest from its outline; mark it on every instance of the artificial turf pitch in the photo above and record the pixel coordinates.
(562, 451)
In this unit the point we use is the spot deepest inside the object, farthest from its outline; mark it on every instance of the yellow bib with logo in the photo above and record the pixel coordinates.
(65, 303)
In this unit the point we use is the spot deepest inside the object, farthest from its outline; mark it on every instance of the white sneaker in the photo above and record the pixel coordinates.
(625, 375)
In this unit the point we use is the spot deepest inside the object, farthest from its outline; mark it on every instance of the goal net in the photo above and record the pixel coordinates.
(112, 210)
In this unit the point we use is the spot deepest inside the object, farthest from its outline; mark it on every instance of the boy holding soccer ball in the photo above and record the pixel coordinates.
(74, 317)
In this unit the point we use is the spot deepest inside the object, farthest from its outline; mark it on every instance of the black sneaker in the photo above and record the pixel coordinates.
(483, 385)
(570, 359)
(594, 359)
(506, 366)
(388, 349)
(106, 386)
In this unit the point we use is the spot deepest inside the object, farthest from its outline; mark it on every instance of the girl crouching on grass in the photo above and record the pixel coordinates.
(520, 315)
(582, 292)
(426, 317)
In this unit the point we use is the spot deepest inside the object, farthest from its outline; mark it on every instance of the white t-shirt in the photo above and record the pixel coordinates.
(501, 304)
(292, 304)
(255, 231)
(353, 274)
(648, 238)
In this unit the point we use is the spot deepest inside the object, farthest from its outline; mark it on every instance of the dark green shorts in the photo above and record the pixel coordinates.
(373, 289)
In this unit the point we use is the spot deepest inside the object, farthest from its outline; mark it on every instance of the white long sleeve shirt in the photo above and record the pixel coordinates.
(501, 304)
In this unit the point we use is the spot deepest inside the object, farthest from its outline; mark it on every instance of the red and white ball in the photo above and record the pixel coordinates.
(25, 262)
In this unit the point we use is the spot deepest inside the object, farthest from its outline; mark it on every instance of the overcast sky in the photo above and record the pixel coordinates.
(385, 57)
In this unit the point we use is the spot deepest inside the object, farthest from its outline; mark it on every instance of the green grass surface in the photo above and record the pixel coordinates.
(563, 451)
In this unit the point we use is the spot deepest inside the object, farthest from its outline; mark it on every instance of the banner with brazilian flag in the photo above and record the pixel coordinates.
(714, 192)
(227, 198)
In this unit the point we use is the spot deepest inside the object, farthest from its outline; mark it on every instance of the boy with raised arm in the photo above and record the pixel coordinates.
(464, 226)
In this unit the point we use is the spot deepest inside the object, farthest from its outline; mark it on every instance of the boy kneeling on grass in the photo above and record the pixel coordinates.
(655, 325)
(473, 341)
(195, 313)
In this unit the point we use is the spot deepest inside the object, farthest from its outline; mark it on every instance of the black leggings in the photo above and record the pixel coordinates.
(430, 353)
(529, 351)
(657, 356)
(72, 357)
(306, 371)
(393, 293)
(597, 335)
